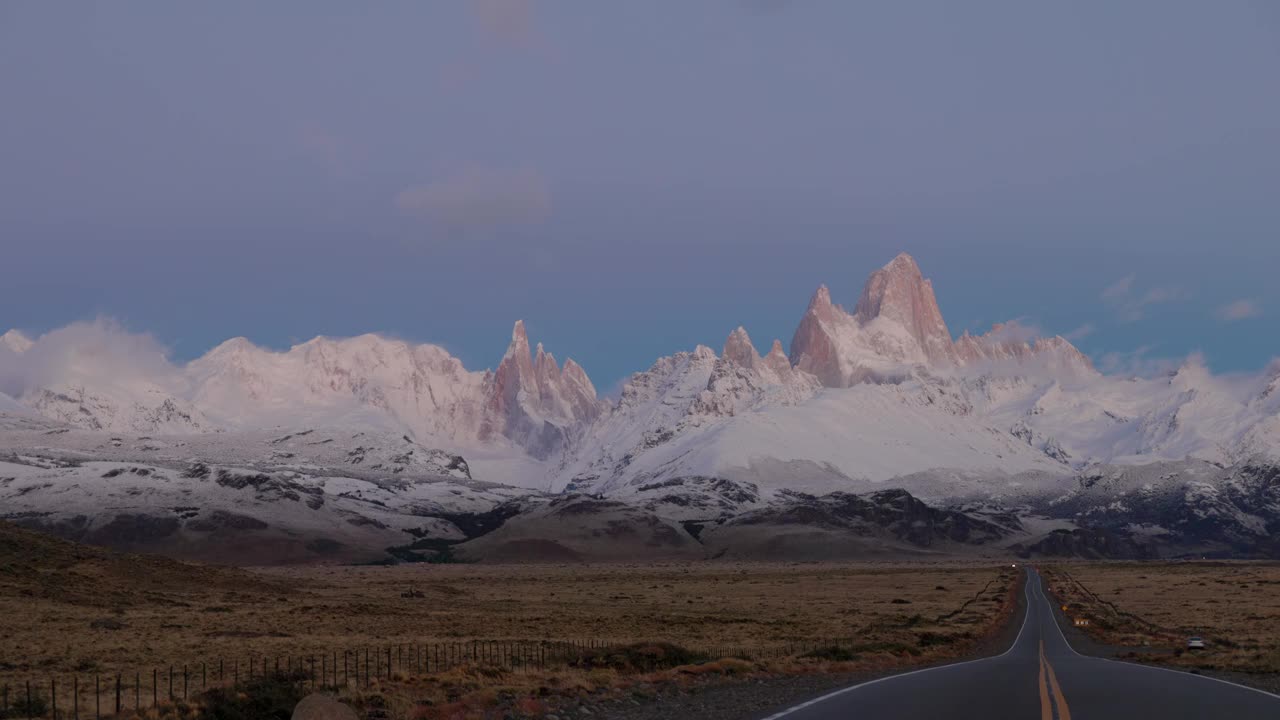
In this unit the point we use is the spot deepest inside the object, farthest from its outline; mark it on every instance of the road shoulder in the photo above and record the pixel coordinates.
(1084, 644)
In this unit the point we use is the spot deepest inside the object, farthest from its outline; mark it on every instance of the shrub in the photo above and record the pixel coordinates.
(727, 666)
(642, 657)
(261, 699)
(928, 639)
(19, 707)
(831, 653)
(836, 653)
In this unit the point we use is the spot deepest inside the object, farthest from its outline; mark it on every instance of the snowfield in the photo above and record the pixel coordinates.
(389, 437)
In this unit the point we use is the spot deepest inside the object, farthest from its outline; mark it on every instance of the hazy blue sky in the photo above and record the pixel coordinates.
(633, 178)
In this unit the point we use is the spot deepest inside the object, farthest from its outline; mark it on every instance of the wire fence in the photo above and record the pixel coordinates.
(77, 696)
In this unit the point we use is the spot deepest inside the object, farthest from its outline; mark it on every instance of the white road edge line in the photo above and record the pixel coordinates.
(1183, 673)
(851, 688)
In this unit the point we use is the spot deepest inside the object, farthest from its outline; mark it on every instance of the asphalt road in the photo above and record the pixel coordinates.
(1041, 678)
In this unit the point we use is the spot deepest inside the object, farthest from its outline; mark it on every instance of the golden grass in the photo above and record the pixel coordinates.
(1234, 606)
(898, 613)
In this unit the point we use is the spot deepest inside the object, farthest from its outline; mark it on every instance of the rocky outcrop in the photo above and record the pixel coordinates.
(528, 400)
(1175, 509)
(892, 513)
(899, 293)
(534, 403)
(1089, 544)
(814, 348)
(1007, 343)
(897, 327)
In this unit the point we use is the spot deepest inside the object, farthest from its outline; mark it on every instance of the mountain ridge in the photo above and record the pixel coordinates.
(871, 394)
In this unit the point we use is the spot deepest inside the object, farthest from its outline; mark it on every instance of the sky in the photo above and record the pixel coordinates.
(633, 179)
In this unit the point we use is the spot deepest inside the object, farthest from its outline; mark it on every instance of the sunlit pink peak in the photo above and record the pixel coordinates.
(899, 292)
(777, 359)
(738, 349)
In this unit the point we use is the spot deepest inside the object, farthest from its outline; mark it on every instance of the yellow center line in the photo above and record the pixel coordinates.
(1064, 713)
(1050, 692)
(1046, 708)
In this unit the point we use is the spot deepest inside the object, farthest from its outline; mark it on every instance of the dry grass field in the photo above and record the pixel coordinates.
(66, 610)
(1234, 606)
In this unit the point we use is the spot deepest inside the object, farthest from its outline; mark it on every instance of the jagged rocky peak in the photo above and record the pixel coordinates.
(534, 402)
(1013, 342)
(16, 341)
(900, 292)
(813, 347)
(773, 368)
(738, 349)
(897, 326)
(777, 360)
(820, 304)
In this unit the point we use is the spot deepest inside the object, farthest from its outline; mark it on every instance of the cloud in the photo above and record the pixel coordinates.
(101, 351)
(1131, 306)
(1239, 310)
(1119, 288)
(508, 21)
(1080, 333)
(1138, 362)
(480, 199)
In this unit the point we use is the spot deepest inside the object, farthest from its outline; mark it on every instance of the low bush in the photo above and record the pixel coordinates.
(20, 707)
(260, 699)
(640, 657)
(831, 653)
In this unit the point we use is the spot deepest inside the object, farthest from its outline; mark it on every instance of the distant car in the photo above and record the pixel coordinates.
(1195, 643)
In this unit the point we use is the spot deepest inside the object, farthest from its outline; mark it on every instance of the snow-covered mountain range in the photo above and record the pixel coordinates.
(872, 394)
(880, 397)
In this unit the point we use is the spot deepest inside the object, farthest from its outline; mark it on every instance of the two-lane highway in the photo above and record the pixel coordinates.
(1040, 676)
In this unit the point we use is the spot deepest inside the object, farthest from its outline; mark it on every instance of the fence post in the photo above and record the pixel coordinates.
(97, 697)
(28, 698)
(185, 682)
(117, 693)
